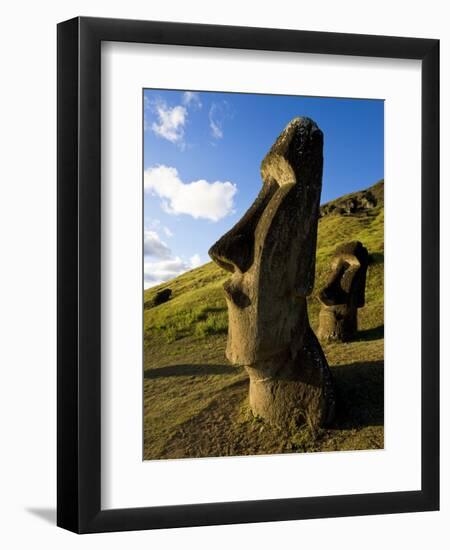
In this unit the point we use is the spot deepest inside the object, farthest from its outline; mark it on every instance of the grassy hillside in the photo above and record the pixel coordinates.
(195, 402)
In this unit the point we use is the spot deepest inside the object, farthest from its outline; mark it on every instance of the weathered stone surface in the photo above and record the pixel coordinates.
(271, 255)
(344, 293)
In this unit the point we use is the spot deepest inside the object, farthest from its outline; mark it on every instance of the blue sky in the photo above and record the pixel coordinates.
(202, 153)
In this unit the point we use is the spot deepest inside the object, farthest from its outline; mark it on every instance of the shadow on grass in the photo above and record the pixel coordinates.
(375, 333)
(189, 370)
(359, 394)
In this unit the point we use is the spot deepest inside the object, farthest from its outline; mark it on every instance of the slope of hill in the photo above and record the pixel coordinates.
(195, 402)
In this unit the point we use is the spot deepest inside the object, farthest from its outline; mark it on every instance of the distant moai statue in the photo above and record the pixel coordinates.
(344, 293)
(271, 255)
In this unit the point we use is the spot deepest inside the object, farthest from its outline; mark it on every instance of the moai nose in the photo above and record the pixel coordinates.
(235, 250)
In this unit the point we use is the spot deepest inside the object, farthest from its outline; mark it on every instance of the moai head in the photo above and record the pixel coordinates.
(347, 282)
(344, 292)
(271, 251)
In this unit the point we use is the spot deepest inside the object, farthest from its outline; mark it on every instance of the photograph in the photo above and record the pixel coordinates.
(263, 274)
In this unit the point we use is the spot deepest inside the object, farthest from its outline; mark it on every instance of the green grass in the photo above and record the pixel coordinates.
(195, 402)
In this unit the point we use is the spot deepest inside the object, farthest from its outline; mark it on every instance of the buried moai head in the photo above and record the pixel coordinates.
(343, 293)
(271, 255)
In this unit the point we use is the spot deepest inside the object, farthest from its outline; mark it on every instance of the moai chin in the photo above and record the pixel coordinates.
(271, 255)
(344, 293)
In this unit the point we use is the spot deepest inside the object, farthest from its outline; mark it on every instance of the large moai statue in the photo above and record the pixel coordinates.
(344, 293)
(271, 255)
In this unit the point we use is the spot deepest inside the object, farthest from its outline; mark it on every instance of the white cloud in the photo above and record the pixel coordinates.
(218, 112)
(199, 199)
(157, 272)
(164, 270)
(195, 260)
(167, 231)
(154, 246)
(160, 264)
(171, 122)
(192, 99)
(216, 130)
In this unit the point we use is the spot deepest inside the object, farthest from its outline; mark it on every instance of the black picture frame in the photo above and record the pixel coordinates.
(79, 281)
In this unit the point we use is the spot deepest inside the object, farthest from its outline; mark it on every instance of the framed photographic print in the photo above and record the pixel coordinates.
(248, 308)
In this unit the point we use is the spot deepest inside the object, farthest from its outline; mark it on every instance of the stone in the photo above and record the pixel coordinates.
(343, 293)
(271, 255)
(161, 297)
(359, 203)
